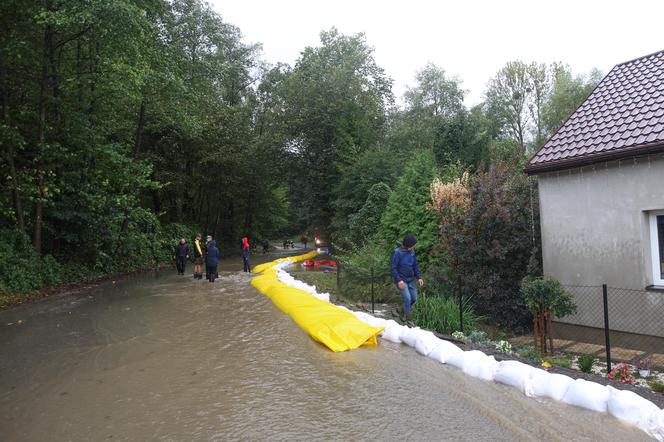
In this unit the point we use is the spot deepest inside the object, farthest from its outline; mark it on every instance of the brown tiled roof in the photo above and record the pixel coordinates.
(622, 117)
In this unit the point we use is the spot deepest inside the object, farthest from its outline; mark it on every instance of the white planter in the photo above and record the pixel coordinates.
(644, 373)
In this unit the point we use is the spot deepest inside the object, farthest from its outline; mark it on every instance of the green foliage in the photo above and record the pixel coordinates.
(478, 337)
(364, 224)
(586, 362)
(406, 210)
(559, 361)
(544, 293)
(356, 265)
(441, 314)
(657, 386)
(486, 243)
(529, 352)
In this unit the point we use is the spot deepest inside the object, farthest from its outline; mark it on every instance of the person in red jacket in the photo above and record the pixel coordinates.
(245, 254)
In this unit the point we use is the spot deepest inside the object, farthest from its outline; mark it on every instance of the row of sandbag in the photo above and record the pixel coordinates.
(534, 382)
(326, 323)
(287, 279)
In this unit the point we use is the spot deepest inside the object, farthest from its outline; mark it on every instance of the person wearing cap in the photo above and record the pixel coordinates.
(406, 275)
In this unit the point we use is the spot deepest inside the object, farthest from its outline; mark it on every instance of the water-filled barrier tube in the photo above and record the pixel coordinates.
(332, 326)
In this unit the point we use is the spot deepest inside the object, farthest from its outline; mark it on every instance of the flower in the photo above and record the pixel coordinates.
(622, 374)
(546, 364)
(503, 346)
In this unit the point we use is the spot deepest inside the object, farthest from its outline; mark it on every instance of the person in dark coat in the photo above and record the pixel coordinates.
(181, 256)
(406, 275)
(245, 254)
(212, 259)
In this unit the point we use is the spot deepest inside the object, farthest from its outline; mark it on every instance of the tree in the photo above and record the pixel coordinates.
(546, 297)
(567, 93)
(407, 208)
(507, 97)
(364, 224)
(335, 100)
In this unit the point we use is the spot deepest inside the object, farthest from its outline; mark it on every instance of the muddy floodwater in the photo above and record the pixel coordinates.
(166, 357)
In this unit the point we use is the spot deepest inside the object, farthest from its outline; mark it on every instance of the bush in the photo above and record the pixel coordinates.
(529, 352)
(559, 361)
(657, 386)
(441, 314)
(586, 363)
(478, 337)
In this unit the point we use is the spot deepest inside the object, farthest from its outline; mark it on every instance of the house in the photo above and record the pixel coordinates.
(601, 190)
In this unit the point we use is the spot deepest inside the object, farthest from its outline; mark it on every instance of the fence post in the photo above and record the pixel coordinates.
(372, 289)
(460, 305)
(606, 328)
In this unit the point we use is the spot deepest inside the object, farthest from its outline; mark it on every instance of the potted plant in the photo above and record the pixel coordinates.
(643, 365)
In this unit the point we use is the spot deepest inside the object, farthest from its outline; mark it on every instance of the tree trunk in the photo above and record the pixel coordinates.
(16, 195)
(139, 129)
(550, 330)
(43, 87)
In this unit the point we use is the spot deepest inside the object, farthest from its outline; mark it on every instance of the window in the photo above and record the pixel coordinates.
(657, 246)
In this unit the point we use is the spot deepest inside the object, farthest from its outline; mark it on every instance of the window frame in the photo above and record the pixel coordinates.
(657, 279)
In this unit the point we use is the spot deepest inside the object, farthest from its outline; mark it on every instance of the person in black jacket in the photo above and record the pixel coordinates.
(181, 256)
(211, 259)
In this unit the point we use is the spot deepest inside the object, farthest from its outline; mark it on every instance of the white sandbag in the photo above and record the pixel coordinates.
(545, 384)
(653, 424)
(514, 373)
(375, 322)
(475, 363)
(629, 406)
(392, 332)
(426, 344)
(588, 395)
(410, 335)
(443, 351)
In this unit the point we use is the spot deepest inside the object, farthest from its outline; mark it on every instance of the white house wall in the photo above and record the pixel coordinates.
(595, 231)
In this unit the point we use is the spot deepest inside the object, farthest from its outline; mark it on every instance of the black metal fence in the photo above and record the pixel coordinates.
(614, 324)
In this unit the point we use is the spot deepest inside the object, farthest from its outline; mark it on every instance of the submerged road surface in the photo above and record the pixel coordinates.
(166, 357)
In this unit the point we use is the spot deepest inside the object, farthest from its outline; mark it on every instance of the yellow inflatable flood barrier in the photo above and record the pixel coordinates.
(332, 326)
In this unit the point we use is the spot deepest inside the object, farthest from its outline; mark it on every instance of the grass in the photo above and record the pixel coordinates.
(442, 315)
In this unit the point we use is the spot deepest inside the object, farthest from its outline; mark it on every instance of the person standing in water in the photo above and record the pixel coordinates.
(211, 259)
(245, 254)
(406, 275)
(181, 256)
(198, 257)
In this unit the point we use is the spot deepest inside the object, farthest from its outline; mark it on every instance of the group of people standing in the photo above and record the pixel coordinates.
(208, 254)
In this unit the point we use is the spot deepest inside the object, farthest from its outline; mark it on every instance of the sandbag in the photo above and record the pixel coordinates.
(443, 351)
(514, 373)
(410, 335)
(392, 333)
(425, 344)
(588, 395)
(653, 424)
(545, 384)
(475, 363)
(629, 406)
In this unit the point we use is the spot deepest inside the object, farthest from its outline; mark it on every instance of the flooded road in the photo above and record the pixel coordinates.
(166, 357)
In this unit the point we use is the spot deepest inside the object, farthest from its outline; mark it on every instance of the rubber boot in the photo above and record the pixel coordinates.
(409, 320)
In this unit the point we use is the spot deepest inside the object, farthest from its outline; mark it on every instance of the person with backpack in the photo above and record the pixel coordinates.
(406, 275)
(211, 259)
